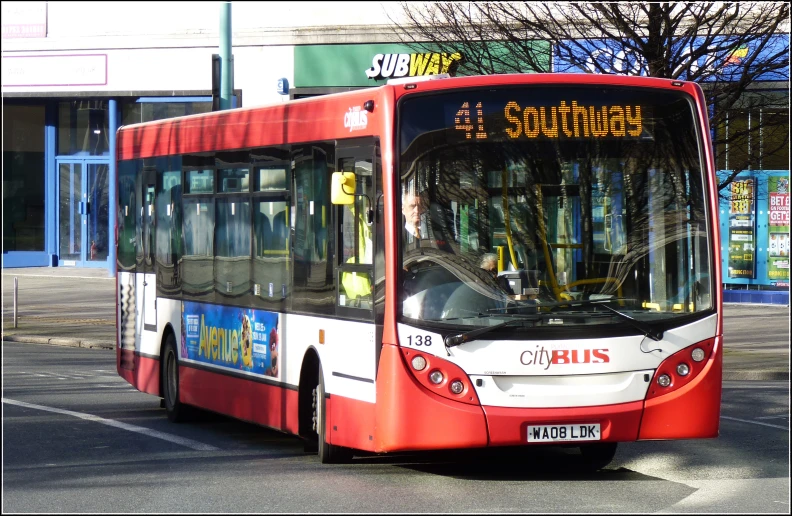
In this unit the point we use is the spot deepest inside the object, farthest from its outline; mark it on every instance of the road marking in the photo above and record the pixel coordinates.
(773, 417)
(119, 386)
(189, 443)
(755, 422)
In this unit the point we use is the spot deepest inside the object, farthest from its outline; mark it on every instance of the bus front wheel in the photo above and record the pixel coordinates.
(169, 380)
(328, 453)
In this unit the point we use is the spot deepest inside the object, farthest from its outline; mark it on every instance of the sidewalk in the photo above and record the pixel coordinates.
(76, 307)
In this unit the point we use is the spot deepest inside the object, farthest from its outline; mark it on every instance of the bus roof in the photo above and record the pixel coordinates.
(327, 117)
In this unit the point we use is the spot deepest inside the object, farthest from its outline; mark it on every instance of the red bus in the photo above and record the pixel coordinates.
(441, 263)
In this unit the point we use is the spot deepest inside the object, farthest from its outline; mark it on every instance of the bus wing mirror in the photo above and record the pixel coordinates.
(342, 190)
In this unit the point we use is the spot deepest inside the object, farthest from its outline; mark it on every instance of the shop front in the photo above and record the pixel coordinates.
(323, 69)
(61, 111)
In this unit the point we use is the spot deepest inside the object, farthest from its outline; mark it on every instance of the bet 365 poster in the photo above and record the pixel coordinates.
(742, 229)
(778, 231)
(236, 338)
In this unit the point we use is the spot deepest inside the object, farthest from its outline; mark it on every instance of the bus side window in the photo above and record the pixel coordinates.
(168, 227)
(314, 240)
(356, 233)
(127, 171)
(197, 265)
(271, 254)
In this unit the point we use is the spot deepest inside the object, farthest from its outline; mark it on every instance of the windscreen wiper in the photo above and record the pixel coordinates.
(456, 340)
(643, 327)
(554, 304)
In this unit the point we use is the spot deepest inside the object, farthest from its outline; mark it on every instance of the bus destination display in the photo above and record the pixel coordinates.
(564, 120)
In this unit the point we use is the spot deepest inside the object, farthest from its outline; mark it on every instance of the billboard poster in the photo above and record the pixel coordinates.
(778, 231)
(721, 63)
(742, 229)
(241, 339)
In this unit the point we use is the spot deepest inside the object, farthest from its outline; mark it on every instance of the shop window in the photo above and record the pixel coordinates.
(83, 128)
(23, 178)
(775, 140)
(142, 110)
(757, 137)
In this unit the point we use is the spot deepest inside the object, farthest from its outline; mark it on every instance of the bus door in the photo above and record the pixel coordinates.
(146, 278)
(355, 233)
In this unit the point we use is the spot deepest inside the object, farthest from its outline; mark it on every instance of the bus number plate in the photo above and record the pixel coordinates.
(559, 433)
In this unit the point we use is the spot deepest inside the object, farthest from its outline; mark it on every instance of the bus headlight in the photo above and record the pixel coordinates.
(683, 369)
(418, 363)
(436, 377)
(697, 354)
(664, 380)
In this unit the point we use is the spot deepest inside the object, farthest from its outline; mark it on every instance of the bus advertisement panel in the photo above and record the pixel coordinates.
(231, 337)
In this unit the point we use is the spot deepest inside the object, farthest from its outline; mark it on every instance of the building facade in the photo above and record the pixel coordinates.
(73, 72)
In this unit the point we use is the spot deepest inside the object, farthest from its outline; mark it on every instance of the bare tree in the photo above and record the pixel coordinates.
(738, 52)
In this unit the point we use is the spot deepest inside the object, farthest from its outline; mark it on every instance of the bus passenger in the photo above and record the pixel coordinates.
(489, 262)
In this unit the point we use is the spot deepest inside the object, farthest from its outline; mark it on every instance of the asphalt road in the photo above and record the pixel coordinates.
(77, 438)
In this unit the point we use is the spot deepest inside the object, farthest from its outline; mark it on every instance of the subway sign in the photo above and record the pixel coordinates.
(393, 66)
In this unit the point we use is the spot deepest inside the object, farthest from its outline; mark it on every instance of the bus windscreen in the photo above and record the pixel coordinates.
(519, 198)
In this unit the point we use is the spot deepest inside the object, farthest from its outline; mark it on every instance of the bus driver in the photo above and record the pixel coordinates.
(413, 210)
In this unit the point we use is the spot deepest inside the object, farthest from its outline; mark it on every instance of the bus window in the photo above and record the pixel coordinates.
(232, 247)
(356, 227)
(169, 226)
(271, 252)
(197, 265)
(592, 210)
(314, 240)
(127, 173)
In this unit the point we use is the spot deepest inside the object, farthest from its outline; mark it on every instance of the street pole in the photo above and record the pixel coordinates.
(16, 290)
(226, 77)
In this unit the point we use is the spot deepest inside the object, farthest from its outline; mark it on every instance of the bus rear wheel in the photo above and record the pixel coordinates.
(328, 453)
(597, 456)
(169, 381)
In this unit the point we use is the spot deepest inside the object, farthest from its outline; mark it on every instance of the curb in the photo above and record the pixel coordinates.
(59, 341)
(728, 376)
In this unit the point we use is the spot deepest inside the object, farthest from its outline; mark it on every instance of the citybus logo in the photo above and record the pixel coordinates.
(540, 356)
(355, 119)
(393, 66)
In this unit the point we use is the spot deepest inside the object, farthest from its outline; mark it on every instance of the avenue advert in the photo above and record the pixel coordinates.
(242, 339)
(742, 229)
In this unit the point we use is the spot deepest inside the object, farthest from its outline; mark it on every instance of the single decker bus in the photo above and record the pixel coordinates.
(434, 263)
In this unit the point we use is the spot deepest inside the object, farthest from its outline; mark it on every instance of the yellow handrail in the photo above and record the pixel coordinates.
(506, 221)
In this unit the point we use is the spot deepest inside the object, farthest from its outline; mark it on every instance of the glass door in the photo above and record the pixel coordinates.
(70, 218)
(83, 213)
(97, 214)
